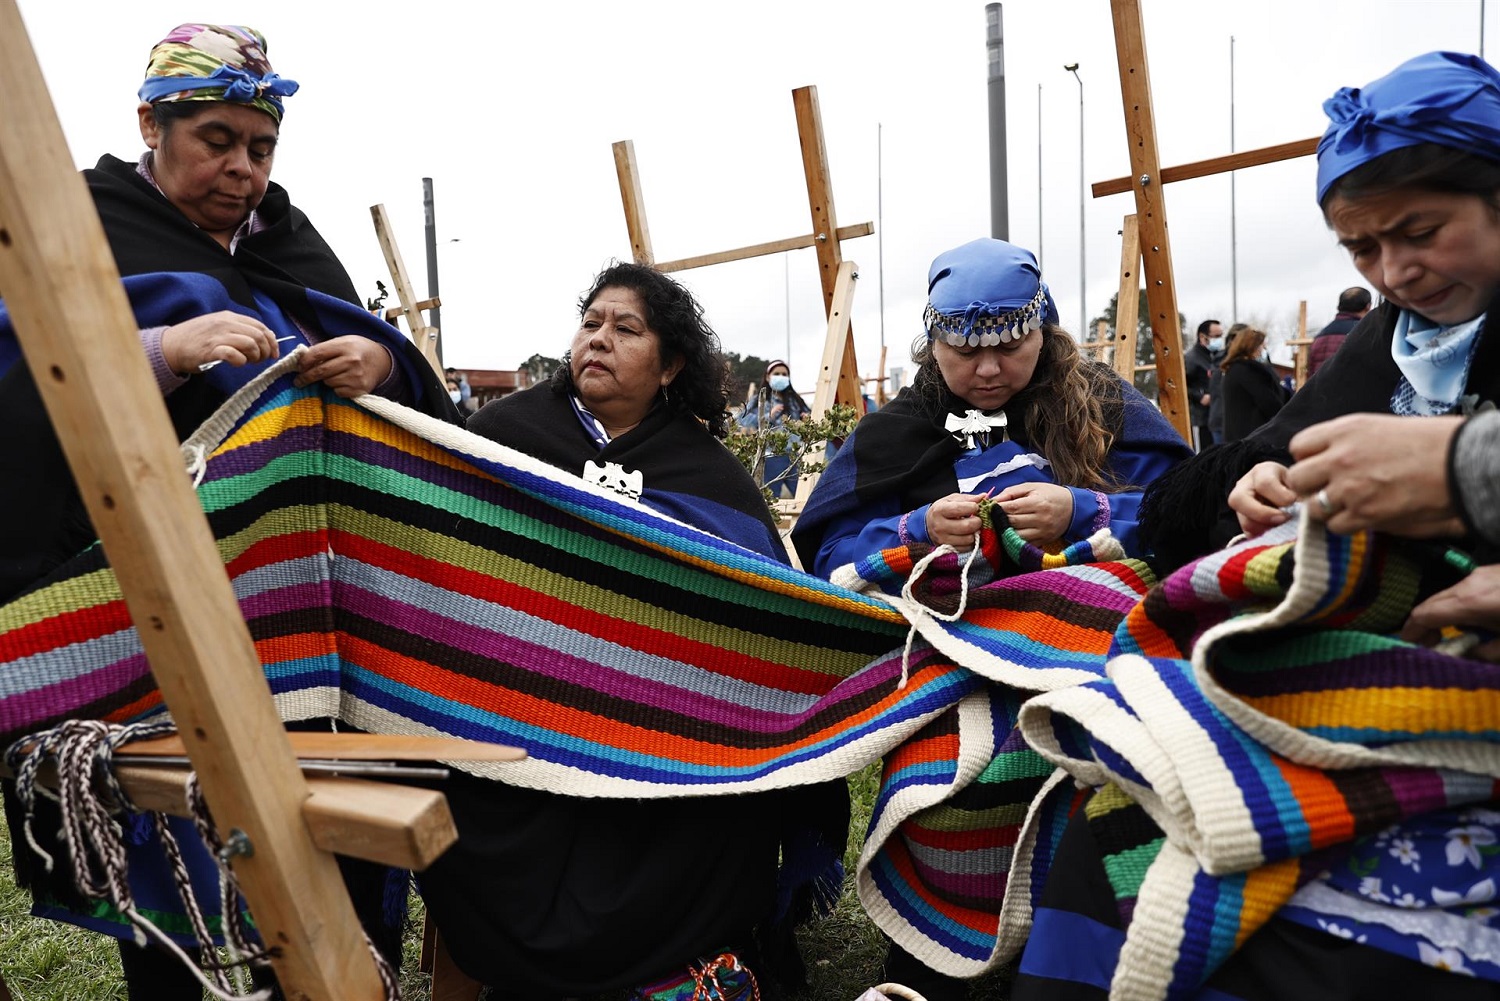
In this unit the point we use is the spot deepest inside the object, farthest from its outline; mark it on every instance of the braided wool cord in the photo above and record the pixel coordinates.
(89, 796)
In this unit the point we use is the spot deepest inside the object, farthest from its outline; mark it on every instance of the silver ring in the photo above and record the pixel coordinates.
(1323, 502)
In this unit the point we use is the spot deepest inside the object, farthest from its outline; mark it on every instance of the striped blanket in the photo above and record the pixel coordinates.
(1259, 711)
(403, 576)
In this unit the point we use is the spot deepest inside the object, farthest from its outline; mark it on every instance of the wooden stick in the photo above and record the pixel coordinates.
(834, 355)
(763, 249)
(825, 231)
(396, 311)
(396, 825)
(425, 337)
(1130, 289)
(1151, 212)
(357, 747)
(1215, 165)
(81, 342)
(635, 203)
(1304, 348)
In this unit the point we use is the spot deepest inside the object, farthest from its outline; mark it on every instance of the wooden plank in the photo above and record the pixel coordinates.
(1128, 302)
(396, 311)
(79, 337)
(825, 229)
(397, 825)
(635, 203)
(357, 747)
(1151, 210)
(1214, 165)
(836, 366)
(449, 983)
(763, 249)
(1304, 346)
(425, 337)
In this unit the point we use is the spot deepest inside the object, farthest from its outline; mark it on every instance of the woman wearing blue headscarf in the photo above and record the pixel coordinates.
(1409, 182)
(1002, 404)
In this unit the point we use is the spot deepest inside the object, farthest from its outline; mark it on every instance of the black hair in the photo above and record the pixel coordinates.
(677, 320)
(1206, 326)
(1354, 300)
(1424, 167)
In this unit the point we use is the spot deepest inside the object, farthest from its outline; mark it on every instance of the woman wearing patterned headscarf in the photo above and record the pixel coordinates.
(1002, 404)
(1409, 181)
(224, 274)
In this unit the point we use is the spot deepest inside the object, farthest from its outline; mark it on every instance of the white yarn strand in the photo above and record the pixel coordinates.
(920, 612)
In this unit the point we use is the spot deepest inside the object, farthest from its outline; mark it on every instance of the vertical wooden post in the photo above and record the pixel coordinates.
(1127, 302)
(425, 337)
(80, 340)
(1151, 210)
(834, 343)
(825, 230)
(635, 204)
(1304, 350)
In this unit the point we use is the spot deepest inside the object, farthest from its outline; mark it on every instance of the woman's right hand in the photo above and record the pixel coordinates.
(954, 520)
(1258, 498)
(223, 336)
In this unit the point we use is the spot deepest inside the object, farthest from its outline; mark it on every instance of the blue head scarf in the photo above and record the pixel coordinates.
(1446, 98)
(986, 292)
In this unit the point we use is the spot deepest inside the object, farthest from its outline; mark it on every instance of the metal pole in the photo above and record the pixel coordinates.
(999, 183)
(1083, 279)
(432, 265)
(1234, 236)
(1039, 178)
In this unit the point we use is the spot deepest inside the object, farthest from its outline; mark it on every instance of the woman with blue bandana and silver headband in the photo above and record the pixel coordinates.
(1002, 405)
(1397, 432)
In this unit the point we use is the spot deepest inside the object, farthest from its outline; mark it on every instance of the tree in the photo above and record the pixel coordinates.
(740, 373)
(1145, 350)
(540, 367)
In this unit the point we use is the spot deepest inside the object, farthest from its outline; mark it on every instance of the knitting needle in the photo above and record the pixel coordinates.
(370, 769)
(210, 364)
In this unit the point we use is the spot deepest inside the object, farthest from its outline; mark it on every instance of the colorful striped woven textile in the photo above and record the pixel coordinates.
(1259, 711)
(404, 576)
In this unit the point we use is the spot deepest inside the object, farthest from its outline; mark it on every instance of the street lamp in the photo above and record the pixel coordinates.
(1083, 284)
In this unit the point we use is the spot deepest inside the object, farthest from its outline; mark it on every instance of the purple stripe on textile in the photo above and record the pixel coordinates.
(296, 598)
(54, 701)
(251, 457)
(544, 659)
(1391, 668)
(972, 890)
(1416, 790)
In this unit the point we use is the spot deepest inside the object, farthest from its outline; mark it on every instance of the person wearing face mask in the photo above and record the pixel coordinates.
(771, 409)
(1252, 390)
(1198, 363)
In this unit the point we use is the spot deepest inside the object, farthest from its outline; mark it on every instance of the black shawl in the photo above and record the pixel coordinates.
(1186, 513)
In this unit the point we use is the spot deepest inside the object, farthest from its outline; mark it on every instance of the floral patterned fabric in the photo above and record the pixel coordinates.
(1425, 888)
(215, 62)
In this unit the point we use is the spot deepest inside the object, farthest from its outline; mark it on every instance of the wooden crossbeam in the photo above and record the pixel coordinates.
(425, 336)
(827, 236)
(396, 312)
(1151, 213)
(1214, 165)
(80, 341)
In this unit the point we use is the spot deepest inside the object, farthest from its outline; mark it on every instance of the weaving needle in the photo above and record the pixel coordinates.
(218, 361)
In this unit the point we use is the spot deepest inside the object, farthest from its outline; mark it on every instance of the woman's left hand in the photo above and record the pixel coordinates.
(1377, 471)
(350, 366)
(1039, 512)
(1473, 601)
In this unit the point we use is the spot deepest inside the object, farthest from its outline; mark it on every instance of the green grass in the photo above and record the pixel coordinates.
(48, 961)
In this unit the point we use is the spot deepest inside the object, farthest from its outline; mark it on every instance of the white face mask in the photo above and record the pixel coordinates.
(780, 383)
(1216, 344)
(455, 395)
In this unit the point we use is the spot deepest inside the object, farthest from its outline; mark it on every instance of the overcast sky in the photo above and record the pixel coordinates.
(511, 109)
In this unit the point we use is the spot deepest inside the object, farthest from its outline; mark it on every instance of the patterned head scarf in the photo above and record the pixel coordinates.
(1447, 98)
(985, 293)
(215, 62)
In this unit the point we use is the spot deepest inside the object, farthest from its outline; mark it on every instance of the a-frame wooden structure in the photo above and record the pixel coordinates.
(838, 375)
(79, 338)
(1145, 232)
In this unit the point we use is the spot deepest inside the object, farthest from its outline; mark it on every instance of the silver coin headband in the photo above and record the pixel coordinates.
(986, 331)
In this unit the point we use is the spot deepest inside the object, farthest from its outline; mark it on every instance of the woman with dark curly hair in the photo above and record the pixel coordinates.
(1002, 404)
(553, 896)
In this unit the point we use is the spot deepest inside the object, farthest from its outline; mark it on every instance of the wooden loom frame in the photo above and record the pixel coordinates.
(1145, 232)
(79, 338)
(838, 375)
